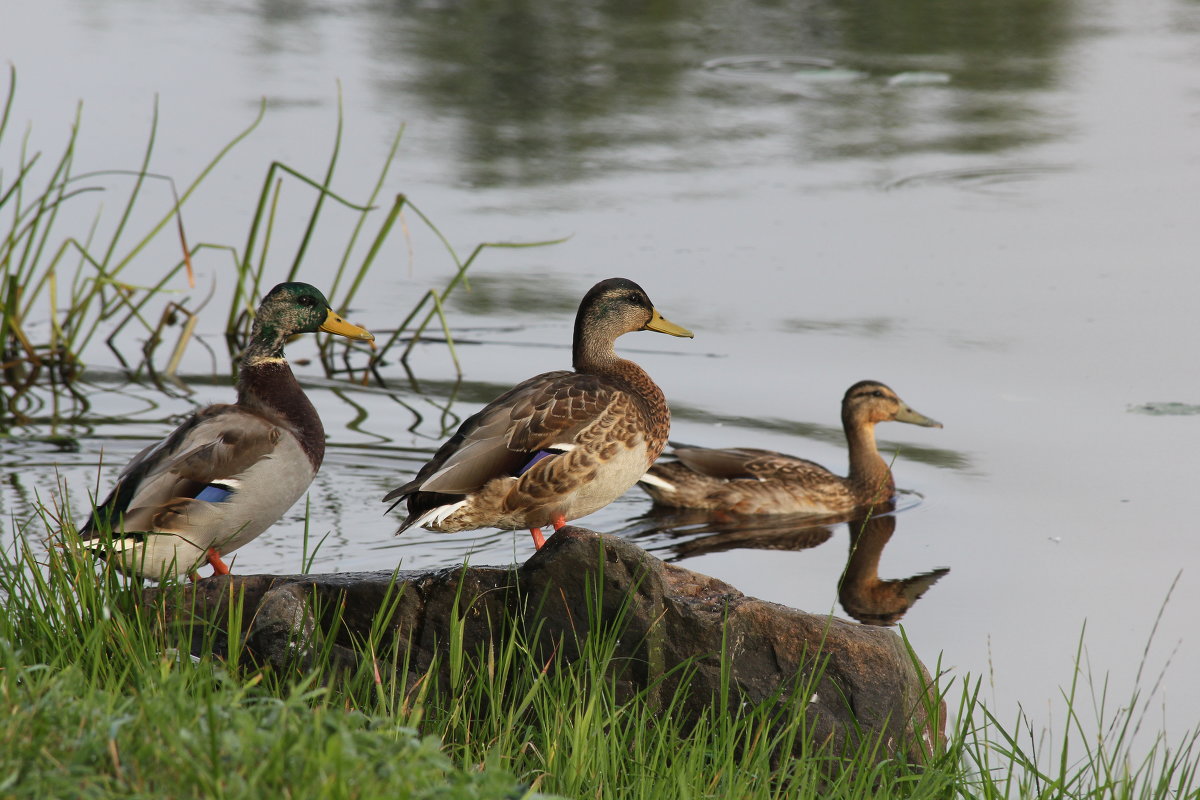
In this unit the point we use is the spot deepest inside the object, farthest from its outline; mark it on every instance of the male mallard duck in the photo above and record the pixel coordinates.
(229, 472)
(749, 481)
(558, 446)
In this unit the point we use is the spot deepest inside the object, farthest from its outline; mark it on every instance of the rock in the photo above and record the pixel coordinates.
(865, 681)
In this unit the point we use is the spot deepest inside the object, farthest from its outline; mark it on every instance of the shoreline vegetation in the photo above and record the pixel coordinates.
(102, 699)
(62, 293)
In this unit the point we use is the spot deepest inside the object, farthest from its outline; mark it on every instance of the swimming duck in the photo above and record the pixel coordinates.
(750, 481)
(558, 446)
(231, 470)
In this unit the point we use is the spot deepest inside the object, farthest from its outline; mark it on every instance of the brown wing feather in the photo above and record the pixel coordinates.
(217, 443)
(547, 410)
(240, 442)
(748, 463)
(555, 411)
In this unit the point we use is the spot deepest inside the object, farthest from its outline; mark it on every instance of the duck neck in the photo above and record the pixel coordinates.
(266, 383)
(869, 473)
(595, 356)
(598, 357)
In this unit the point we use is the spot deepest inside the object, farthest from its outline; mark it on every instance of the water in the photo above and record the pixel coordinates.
(990, 207)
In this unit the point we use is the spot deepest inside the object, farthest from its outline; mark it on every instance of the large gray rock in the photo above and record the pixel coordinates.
(861, 678)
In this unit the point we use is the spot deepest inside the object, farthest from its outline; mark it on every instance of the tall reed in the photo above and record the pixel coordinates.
(62, 289)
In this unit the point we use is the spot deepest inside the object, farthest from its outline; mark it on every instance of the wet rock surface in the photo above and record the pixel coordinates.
(861, 679)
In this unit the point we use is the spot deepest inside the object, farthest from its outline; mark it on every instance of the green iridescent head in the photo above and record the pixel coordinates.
(292, 308)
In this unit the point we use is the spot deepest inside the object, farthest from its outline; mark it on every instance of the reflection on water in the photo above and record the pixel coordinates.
(546, 91)
(514, 294)
(1169, 409)
(801, 67)
(982, 179)
(76, 409)
(862, 593)
(873, 328)
(678, 535)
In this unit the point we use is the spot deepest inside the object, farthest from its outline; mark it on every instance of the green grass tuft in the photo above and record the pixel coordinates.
(103, 698)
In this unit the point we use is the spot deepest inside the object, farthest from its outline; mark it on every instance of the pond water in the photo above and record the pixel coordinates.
(992, 207)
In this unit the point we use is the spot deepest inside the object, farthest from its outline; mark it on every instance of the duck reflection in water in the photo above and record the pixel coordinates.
(863, 594)
(689, 533)
(683, 534)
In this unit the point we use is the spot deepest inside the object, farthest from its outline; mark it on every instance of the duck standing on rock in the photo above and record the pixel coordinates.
(558, 446)
(231, 470)
(745, 480)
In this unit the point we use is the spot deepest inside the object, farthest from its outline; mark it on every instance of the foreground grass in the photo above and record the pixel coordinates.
(185, 730)
(98, 701)
(101, 700)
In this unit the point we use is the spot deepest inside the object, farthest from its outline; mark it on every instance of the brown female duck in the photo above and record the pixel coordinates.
(558, 446)
(750, 481)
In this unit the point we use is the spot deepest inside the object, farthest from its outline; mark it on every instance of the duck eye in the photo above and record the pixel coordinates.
(306, 300)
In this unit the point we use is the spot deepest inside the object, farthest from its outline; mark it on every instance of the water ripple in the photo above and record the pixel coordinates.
(804, 67)
(1169, 409)
(977, 178)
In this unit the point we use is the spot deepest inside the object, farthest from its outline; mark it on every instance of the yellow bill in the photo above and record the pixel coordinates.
(663, 325)
(335, 324)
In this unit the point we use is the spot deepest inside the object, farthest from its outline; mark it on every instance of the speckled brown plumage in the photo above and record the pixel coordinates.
(752, 481)
(595, 430)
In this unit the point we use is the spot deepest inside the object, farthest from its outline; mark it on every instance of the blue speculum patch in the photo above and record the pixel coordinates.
(214, 493)
(540, 455)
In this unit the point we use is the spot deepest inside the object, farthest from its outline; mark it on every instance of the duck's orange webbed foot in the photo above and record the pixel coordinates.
(559, 522)
(214, 560)
(539, 541)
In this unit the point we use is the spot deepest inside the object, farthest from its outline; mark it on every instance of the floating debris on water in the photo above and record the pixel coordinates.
(918, 78)
(803, 67)
(1166, 409)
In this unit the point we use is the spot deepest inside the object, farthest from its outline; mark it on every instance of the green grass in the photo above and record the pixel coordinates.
(101, 699)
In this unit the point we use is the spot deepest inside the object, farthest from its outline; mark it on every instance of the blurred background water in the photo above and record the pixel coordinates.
(990, 206)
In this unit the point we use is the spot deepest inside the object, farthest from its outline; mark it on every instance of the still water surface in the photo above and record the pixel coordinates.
(992, 207)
